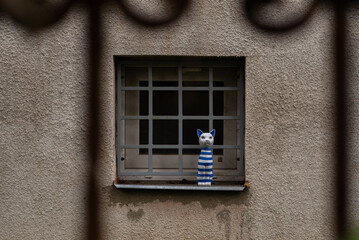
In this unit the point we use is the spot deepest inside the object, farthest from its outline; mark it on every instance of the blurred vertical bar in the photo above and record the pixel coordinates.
(180, 121)
(341, 118)
(93, 224)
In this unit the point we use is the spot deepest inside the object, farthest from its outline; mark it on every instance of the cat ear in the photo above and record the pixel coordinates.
(213, 132)
(199, 132)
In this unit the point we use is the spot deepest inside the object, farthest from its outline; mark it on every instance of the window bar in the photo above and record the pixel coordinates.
(183, 88)
(186, 173)
(183, 117)
(240, 166)
(150, 120)
(238, 127)
(119, 117)
(180, 122)
(210, 98)
(134, 146)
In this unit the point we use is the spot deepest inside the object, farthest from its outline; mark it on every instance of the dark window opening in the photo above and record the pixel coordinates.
(195, 103)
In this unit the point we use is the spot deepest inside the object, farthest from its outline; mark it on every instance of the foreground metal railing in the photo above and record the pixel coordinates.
(341, 105)
(38, 14)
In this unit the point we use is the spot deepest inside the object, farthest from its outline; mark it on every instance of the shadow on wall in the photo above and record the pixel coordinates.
(207, 199)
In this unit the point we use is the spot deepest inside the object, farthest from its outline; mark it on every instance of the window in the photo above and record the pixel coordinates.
(160, 104)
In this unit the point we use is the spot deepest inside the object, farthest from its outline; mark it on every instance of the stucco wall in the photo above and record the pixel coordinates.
(289, 129)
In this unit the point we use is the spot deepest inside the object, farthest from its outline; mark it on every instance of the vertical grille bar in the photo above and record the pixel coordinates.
(241, 104)
(180, 121)
(210, 98)
(94, 141)
(119, 117)
(150, 120)
(341, 119)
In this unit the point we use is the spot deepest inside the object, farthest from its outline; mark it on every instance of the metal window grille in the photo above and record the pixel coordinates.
(151, 148)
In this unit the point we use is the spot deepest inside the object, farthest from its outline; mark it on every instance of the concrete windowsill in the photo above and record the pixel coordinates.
(195, 187)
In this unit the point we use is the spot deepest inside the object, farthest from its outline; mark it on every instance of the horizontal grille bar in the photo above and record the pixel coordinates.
(174, 173)
(178, 88)
(178, 146)
(182, 117)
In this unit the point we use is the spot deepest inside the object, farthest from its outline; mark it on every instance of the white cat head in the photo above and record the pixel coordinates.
(206, 139)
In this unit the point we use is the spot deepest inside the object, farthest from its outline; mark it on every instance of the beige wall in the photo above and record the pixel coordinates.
(289, 129)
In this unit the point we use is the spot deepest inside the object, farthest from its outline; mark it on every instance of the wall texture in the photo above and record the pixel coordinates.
(289, 128)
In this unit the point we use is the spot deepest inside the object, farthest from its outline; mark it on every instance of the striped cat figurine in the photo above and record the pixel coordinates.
(205, 160)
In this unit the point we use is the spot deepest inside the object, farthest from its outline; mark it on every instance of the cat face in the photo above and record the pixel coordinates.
(206, 139)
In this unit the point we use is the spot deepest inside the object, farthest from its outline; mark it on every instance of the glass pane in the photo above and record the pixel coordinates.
(168, 151)
(190, 161)
(228, 76)
(195, 77)
(165, 77)
(134, 160)
(190, 151)
(165, 132)
(165, 103)
(135, 76)
(226, 132)
(165, 158)
(195, 103)
(227, 160)
(134, 103)
(218, 84)
(135, 132)
(231, 132)
(225, 103)
(144, 132)
(143, 103)
(218, 103)
(131, 132)
(218, 138)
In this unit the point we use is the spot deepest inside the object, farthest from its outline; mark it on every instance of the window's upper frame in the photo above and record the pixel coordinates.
(180, 62)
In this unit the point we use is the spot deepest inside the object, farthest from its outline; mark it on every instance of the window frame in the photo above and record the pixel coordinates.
(223, 176)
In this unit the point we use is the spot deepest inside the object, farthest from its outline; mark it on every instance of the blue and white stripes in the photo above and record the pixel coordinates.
(205, 165)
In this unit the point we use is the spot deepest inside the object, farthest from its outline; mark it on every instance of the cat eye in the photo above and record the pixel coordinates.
(202, 137)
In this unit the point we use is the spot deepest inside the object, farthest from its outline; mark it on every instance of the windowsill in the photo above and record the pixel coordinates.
(166, 186)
